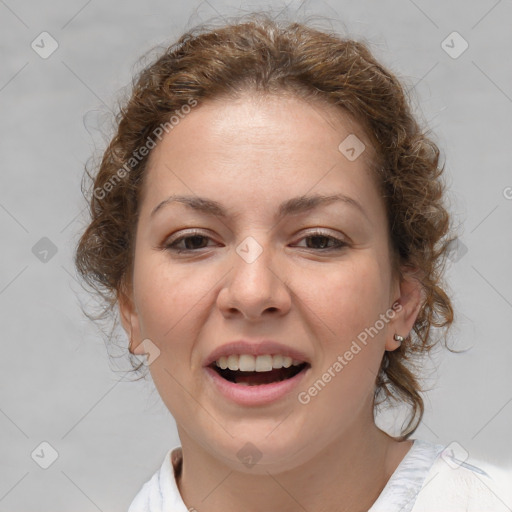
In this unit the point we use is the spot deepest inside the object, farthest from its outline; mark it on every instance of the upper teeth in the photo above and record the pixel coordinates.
(250, 363)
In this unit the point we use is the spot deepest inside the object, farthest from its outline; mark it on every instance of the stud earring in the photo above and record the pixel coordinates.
(398, 338)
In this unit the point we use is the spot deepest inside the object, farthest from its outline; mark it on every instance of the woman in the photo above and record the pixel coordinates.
(269, 220)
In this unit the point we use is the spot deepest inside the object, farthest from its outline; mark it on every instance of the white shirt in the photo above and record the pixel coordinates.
(428, 479)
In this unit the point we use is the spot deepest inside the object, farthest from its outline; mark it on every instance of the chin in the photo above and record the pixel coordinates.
(254, 451)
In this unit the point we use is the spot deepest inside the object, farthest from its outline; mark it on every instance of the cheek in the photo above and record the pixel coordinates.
(348, 297)
(167, 297)
(169, 301)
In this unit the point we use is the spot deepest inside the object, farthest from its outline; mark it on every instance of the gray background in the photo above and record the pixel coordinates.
(58, 385)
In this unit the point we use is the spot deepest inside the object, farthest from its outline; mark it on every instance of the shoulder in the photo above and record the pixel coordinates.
(160, 493)
(142, 500)
(433, 478)
(464, 485)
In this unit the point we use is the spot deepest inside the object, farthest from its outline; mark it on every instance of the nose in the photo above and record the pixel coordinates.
(254, 289)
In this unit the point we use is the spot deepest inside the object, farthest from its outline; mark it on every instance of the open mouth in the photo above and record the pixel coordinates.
(255, 378)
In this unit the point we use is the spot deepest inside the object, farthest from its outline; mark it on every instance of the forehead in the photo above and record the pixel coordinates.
(258, 141)
(267, 120)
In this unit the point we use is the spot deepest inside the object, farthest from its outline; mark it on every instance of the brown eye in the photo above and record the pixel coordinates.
(191, 242)
(323, 242)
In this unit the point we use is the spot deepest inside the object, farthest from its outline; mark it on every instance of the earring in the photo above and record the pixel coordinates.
(398, 338)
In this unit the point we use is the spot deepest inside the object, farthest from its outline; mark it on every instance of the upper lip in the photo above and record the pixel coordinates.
(255, 348)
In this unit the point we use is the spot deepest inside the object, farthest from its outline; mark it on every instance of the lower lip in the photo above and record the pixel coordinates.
(255, 395)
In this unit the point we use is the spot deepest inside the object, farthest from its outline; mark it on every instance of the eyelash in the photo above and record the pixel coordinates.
(340, 244)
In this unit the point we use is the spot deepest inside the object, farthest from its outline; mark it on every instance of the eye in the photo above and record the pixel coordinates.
(320, 241)
(188, 243)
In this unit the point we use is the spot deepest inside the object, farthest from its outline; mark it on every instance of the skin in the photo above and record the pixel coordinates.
(250, 155)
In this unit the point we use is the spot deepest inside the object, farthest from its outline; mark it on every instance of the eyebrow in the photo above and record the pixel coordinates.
(293, 206)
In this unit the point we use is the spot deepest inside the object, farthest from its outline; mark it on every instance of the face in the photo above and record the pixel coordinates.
(250, 261)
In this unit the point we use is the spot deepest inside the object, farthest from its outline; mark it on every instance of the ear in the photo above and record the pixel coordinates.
(130, 321)
(407, 303)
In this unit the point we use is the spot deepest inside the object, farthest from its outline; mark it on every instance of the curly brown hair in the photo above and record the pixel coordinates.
(259, 54)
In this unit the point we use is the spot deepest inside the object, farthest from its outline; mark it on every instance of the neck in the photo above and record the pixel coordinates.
(349, 474)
